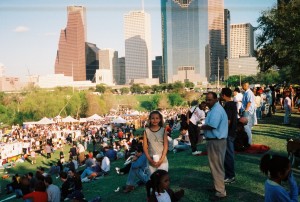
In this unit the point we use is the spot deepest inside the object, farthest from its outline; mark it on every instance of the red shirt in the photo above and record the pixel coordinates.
(37, 196)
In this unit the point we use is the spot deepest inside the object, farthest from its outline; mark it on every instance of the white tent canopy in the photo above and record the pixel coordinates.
(82, 120)
(119, 120)
(45, 121)
(133, 113)
(69, 119)
(94, 117)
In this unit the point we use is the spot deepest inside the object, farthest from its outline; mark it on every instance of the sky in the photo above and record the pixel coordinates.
(29, 29)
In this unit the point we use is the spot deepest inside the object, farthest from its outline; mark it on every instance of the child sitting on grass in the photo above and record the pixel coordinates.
(278, 168)
(159, 183)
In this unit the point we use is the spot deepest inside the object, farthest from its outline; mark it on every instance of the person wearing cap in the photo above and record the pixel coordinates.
(102, 167)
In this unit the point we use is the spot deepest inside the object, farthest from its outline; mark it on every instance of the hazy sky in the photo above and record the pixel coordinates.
(29, 29)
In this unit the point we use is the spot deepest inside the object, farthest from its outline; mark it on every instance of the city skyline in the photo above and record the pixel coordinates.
(28, 46)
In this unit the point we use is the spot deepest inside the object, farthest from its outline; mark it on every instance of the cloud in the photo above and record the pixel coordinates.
(50, 34)
(21, 29)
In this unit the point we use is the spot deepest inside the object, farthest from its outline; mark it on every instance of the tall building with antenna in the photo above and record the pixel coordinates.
(70, 58)
(137, 31)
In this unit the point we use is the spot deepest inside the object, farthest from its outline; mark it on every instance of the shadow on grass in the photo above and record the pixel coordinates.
(272, 127)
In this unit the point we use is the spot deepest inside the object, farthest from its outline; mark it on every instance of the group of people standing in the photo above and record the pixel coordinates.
(218, 124)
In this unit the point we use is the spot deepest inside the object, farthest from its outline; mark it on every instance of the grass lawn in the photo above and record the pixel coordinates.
(192, 172)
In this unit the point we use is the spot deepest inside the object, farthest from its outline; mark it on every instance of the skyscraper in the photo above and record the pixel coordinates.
(192, 37)
(138, 62)
(227, 32)
(92, 60)
(241, 40)
(108, 61)
(157, 71)
(216, 39)
(70, 58)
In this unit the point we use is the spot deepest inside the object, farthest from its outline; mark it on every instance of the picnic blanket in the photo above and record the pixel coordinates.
(253, 149)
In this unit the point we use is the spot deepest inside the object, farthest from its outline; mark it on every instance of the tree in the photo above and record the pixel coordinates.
(279, 40)
(189, 84)
(178, 87)
(175, 99)
(124, 90)
(147, 89)
(155, 88)
(268, 77)
(233, 80)
(136, 88)
(163, 102)
(100, 88)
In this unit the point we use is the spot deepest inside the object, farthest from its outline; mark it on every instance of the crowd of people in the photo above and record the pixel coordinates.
(224, 121)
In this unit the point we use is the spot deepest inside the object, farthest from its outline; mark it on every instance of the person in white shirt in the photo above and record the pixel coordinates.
(238, 97)
(183, 142)
(105, 162)
(287, 107)
(194, 116)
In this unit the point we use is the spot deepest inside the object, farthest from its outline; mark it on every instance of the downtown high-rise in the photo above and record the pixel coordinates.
(70, 58)
(192, 40)
(241, 40)
(137, 28)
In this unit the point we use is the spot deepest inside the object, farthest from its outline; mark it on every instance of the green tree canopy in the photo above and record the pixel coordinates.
(136, 88)
(278, 42)
(101, 88)
(124, 90)
(175, 99)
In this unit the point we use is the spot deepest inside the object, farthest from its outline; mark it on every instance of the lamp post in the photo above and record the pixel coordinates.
(218, 73)
(240, 75)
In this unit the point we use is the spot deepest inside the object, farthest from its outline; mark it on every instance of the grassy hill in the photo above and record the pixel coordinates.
(192, 172)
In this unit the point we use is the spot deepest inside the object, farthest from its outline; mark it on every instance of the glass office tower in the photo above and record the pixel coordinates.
(184, 38)
(193, 39)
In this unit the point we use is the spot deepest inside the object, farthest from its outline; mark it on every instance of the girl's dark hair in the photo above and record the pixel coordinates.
(40, 186)
(161, 123)
(154, 181)
(274, 164)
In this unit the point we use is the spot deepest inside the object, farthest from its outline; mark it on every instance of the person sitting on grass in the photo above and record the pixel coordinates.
(241, 142)
(89, 161)
(52, 190)
(32, 181)
(39, 195)
(73, 164)
(54, 169)
(42, 171)
(75, 184)
(278, 168)
(110, 153)
(160, 185)
(101, 168)
(65, 185)
(138, 170)
(184, 140)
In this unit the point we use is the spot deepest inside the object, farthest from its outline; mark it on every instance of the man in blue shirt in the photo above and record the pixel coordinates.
(216, 132)
(248, 105)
